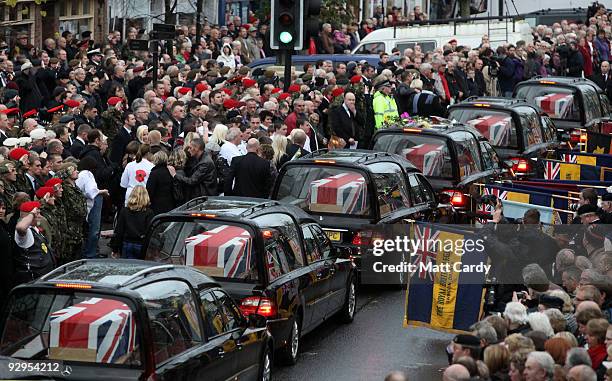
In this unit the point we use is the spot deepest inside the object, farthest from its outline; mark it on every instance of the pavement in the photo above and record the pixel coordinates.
(370, 347)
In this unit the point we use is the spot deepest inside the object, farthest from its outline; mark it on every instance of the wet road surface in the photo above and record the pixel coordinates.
(372, 346)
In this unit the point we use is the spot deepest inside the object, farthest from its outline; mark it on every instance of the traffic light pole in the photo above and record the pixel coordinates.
(287, 76)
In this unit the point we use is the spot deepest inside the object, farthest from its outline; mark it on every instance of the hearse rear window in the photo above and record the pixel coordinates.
(429, 154)
(325, 189)
(217, 248)
(557, 102)
(467, 153)
(497, 126)
(71, 326)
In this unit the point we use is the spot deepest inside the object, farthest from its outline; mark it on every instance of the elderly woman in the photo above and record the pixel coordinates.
(515, 315)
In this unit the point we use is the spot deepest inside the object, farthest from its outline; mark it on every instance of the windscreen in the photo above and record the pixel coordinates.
(217, 248)
(325, 189)
(557, 102)
(497, 126)
(71, 326)
(430, 154)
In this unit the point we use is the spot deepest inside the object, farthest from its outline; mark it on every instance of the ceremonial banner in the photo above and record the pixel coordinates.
(570, 186)
(442, 293)
(515, 210)
(557, 170)
(598, 143)
(586, 158)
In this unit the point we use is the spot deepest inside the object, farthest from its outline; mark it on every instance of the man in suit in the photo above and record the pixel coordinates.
(249, 175)
(344, 120)
(603, 79)
(295, 150)
(4, 127)
(125, 135)
(79, 143)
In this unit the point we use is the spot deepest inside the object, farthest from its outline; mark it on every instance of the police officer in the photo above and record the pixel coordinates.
(384, 104)
(32, 254)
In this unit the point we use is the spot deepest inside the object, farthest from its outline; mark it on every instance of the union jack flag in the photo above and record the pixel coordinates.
(556, 105)
(496, 128)
(224, 247)
(552, 170)
(104, 326)
(569, 158)
(342, 193)
(427, 157)
(425, 251)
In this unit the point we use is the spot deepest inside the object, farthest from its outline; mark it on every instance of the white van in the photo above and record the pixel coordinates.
(430, 37)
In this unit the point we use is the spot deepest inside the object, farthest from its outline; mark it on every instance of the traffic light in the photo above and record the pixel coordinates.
(287, 24)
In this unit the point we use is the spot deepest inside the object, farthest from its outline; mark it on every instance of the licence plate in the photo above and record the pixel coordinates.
(333, 236)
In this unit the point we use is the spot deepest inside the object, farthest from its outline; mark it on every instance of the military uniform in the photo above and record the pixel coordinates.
(56, 217)
(111, 121)
(75, 209)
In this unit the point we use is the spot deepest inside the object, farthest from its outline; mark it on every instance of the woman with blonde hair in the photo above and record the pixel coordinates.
(142, 134)
(132, 225)
(217, 138)
(178, 159)
(497, 359)
(279, 145)
(137, 172)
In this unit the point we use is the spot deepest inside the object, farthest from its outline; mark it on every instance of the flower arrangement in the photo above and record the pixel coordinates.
(406, 121)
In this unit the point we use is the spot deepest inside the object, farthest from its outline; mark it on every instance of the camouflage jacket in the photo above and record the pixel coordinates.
(111, 121)
(75, 207)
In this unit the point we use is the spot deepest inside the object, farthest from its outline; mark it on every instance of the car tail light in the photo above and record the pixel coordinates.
(362, 238)
(458, 199)
(520, 165)
(576, 136)
(258, 305)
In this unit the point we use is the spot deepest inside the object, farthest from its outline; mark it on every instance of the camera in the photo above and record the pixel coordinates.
(573, 207)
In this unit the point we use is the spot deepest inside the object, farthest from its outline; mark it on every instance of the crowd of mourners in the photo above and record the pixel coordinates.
(87, 137)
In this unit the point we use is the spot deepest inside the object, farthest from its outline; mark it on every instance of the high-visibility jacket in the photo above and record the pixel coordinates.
(384, 108)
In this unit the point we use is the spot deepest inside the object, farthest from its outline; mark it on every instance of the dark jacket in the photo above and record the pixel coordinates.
(506, 74)
(120, 142)
(105, 171)
(403, 95)
(131, 226)
(425, 103)
(159, 186)
(28, 91)
(249, 176)
(76, 148)
(202, 180)
(341, 124)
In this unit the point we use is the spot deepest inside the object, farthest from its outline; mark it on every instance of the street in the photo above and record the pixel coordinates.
(372, 346)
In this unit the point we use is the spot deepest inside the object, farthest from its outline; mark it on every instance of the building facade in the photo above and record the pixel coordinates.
(49, 19)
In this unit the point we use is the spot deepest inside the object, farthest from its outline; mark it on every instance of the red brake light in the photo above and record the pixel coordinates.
(458, 199)
(520, 165)
(362, 238)
(258, 305)
(267, 234)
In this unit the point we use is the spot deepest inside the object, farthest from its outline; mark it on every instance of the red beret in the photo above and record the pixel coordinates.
(18, 153)
(30, 113)
(53, 182)
(42, 192)
(294, 88)
(284, 96)
(138, 69)
(10, 111)
(231, 103)
(55, 109)
(29, 206)
(201, 87)
(112, 101)
(248, 82)
(277, 90)
(235, 79)
(355, 79)
(183, 90)
(337, 91)
(72, 103)
(227, 91)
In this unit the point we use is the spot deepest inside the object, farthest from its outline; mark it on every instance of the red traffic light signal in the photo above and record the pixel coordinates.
(285, 19)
